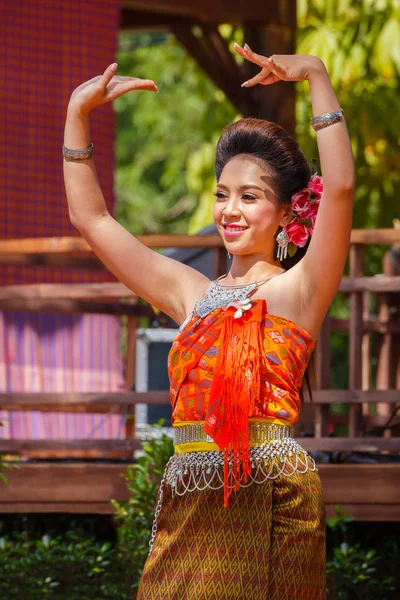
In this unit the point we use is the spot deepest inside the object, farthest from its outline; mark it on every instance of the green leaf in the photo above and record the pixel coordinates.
(292, 249)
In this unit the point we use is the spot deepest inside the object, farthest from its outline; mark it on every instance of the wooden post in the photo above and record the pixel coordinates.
(278, 36)
(366, 352)
(356, 337)
(323, 376)
(130, 372)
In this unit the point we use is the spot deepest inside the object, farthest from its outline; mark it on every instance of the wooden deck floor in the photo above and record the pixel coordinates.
(369, 492)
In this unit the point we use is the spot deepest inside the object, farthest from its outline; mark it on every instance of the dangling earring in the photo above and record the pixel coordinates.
(283, 241)
(229, 254)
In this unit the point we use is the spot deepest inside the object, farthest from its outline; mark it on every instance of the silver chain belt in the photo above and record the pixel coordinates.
(259, 433)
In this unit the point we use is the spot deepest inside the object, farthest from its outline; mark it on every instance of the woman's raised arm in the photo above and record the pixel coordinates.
(320, 270)
(165, 283)
(322, 266)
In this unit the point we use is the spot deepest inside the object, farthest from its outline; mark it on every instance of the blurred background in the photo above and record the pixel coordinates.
(83, 379)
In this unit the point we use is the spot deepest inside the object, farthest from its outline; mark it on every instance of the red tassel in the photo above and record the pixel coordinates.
(235, 388)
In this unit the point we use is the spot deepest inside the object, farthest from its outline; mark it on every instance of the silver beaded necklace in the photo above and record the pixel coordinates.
(218, 295)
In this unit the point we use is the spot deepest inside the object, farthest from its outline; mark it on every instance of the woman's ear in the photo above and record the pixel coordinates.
(286, 215)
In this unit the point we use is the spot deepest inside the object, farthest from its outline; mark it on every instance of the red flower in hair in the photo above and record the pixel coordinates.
(298, 233)
(315, 185)
(305, 204)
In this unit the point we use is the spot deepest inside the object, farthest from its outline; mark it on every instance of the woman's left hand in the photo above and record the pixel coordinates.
(279, 67)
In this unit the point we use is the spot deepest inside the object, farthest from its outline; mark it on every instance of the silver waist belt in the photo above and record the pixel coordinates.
(259, 433)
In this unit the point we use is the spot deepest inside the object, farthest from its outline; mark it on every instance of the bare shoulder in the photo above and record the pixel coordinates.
(285, 297)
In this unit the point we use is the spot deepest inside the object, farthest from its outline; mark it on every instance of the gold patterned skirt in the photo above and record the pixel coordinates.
(268, 544)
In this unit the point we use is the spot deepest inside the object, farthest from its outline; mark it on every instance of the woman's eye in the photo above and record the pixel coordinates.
(219, 195)
(249, 197)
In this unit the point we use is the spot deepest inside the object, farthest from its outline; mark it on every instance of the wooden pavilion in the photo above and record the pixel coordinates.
(369, 491)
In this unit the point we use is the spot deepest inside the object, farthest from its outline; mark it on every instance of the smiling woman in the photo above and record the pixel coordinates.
(268, 159)
(240, 510)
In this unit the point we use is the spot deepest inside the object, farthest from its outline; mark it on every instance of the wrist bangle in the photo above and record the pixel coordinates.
(326, 119)
(78, 155)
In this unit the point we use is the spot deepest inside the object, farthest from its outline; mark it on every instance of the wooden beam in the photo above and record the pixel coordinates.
(361, 483)
(54, 261)
(65, 483)
(352, 444)
(75, 307)
(376, 285)
(208, 10)
(65, 291)
(113, 290)
(75, 401)
(357, 396)
(71, 244)
(118, 401)
(370, 326)
(201, 48)
(133, 20)
(365, 491)
(95, 447)
(278, 36)
(102, 447)
(68, 245)
(375, 236)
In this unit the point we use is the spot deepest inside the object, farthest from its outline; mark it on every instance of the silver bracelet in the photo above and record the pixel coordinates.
(326, 119)
(78, 155)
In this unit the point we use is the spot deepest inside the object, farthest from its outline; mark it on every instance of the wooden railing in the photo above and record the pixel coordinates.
(115, 298)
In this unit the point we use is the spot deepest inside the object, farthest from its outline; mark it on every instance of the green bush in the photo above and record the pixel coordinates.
(65, 568)
(134, 518)
(352, 571)
(72, 567)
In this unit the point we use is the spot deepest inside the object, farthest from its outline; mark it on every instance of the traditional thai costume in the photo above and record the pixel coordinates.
(240, 513)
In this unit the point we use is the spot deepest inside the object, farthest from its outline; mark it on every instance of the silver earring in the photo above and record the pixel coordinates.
(229, 254)
(283, 241)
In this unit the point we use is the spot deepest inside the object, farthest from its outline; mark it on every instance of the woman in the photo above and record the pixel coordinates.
(240, 511)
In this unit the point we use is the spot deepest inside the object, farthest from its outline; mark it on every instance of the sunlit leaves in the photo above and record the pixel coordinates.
(362, 54)
(157, 134)
(386, 57)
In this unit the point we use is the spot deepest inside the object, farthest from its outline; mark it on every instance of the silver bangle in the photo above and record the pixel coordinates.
(78, 155)
(326, 119)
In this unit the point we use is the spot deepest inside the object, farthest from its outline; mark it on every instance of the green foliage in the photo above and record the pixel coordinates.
(74, 567)
(62, 568)
(359, 43)
(134, 518)
(352, 571)
(165, 141)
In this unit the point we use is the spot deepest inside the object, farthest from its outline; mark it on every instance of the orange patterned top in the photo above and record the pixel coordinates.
(235, 363)
(286, 350)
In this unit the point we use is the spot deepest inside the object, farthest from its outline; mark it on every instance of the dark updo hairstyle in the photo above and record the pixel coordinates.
(272, 146)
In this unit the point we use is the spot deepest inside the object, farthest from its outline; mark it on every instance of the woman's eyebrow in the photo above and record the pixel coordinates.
(243, 187)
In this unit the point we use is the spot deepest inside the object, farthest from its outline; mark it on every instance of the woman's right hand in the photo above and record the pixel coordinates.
(106, 88)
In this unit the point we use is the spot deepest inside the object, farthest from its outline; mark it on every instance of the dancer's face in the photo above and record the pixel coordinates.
(247, 212)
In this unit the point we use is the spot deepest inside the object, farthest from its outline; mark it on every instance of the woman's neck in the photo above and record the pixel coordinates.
(246, 269)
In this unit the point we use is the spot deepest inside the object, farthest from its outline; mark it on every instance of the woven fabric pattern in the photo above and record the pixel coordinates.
(48, 49)
(269, 544)
(194, 354)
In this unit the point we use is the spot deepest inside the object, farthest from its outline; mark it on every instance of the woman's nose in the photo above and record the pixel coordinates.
(231, 208)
